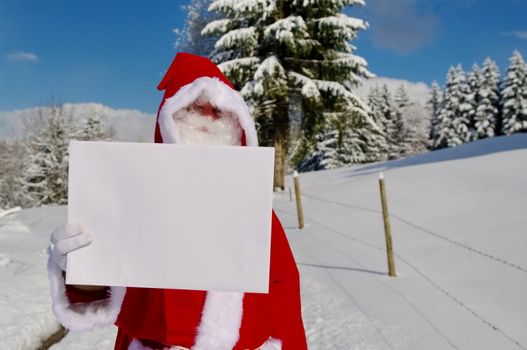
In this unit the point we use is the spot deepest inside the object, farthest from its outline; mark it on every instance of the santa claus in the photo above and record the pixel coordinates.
(200, 106)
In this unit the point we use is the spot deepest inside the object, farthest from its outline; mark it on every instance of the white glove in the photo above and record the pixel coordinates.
(65, 239)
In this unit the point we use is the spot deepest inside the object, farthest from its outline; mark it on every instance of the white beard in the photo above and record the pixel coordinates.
(196, 129)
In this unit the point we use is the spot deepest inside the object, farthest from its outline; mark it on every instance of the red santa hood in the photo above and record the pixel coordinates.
(190, 77)
(200, 320)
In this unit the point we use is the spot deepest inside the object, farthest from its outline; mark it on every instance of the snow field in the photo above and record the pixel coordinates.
(458, 228)
(457, 231)
(25, 302)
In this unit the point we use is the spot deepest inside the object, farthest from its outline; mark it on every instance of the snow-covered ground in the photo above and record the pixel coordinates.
(25, 307)
(459, 229)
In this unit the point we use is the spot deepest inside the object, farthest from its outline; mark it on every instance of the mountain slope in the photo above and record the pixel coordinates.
(129, 125)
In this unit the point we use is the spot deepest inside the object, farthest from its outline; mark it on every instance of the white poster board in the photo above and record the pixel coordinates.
(171, 216)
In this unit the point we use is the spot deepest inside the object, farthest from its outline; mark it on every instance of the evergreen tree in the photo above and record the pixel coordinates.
(455, 110)
(46, 180)
(463, 123)
(339, 145)
(401, 98)
(448, 110)
(393, 124)
(434, 104)
(401, 122)
(387, 108)
(12, 155)
(473, 99)
(487, 98)
(514, 96)
(375, 101)
(326, 152)
(397, 137)
(403, 134)
(416, 129)
(190, 39)
(94, 129)
(293, 52)
(361, 140)
(378, 108)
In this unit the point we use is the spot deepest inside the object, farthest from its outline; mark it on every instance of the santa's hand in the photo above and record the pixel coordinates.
(65, 239)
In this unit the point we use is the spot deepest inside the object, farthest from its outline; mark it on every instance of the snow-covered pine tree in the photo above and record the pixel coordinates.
(374, 101)
(434, 104)
(364, 141)
(189, 39)
(393, 124)
(292, 51)
(472, 100)
(12, 167)
(375, 144)
(46, 180)
(462, 124)
(455, 109)
(514, 96)
(378, 108)
(94, 128)
(387, 110)
(410, 135)
(338, 145)
(417, 130)
(401, 98)
(448, 110)
(324, 153)
(403, 135)
(488, 99)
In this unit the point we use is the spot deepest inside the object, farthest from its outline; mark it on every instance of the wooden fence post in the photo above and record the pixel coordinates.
(298, 201)
(387, 229)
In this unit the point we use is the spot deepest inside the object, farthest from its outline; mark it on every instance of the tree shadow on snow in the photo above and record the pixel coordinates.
(342, 268)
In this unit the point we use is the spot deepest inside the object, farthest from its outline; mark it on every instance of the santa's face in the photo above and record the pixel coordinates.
(203, 124)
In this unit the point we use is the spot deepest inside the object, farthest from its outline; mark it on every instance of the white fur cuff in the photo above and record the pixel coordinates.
(82, 316)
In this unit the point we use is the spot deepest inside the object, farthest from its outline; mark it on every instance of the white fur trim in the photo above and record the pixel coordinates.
(221, 319)
(271, 344)
(137, 345)
(82, 316)
(219, 94)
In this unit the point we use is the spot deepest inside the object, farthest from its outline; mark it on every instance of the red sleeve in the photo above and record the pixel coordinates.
(76, 295)
(285, 292)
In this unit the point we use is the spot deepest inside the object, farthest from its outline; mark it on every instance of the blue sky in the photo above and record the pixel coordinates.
(114, 52)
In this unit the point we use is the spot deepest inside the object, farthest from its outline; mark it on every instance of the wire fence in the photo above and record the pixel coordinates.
(423, 230)
(411, 265)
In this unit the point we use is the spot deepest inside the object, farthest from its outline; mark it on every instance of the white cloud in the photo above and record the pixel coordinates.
(520, 34)
(401, 26)
(22, 56)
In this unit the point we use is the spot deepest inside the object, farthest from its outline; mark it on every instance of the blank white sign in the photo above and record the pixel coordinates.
(171, 216)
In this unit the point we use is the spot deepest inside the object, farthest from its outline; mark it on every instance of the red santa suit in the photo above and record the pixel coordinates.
(200, 320)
